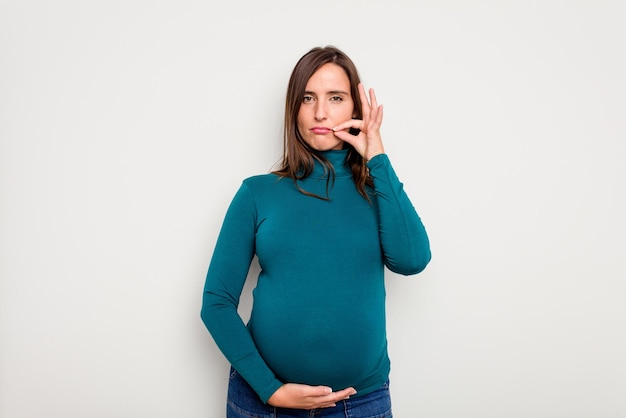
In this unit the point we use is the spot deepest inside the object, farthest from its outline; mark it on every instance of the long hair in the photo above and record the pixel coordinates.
(298, 157)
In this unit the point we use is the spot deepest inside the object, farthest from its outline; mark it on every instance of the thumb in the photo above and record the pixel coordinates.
(345, 136)
(320, 390)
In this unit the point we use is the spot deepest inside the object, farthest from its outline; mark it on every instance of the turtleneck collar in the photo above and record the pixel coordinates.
(337, 159)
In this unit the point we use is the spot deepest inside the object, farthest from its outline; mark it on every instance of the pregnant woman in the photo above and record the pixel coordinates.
(323, 226)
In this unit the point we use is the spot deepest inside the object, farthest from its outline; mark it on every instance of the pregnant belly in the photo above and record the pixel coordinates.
(321, 345)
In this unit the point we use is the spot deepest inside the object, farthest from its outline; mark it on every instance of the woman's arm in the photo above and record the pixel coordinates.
(225, 279)
(403, 238)
(404, 241)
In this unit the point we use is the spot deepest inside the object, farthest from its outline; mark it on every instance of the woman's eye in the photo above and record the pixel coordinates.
(336, 99)
(307, 99)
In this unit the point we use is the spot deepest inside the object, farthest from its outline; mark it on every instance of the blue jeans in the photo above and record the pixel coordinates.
(243, 402)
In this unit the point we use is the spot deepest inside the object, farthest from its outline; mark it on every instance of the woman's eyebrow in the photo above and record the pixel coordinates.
(312, 93)
(338, 92)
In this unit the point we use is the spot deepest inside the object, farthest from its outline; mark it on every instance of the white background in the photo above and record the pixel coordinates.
(127, 126)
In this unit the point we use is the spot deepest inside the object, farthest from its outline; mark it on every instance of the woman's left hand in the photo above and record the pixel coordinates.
(368, 142)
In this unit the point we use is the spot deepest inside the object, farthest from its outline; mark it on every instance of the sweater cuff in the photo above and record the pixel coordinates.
(377, 161)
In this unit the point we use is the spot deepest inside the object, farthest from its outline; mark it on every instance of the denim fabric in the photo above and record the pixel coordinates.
(243, 402)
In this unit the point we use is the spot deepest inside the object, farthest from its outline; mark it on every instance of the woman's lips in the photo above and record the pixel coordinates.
(320, 130)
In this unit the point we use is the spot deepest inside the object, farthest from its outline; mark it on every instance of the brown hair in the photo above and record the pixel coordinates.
(298, 157)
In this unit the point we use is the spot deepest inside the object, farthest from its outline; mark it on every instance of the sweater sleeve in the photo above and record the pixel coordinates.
(404, 241)
(225, 279)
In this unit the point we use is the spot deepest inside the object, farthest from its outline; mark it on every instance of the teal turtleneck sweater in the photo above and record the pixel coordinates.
(318, 314)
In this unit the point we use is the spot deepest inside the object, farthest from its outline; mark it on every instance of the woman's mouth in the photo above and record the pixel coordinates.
(320, 130)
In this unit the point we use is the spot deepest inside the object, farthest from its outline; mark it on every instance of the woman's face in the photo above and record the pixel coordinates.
(326, 103)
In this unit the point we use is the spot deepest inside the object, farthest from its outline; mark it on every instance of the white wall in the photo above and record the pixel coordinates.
(127, 126)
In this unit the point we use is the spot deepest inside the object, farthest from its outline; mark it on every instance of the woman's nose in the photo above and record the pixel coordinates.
(320, 111)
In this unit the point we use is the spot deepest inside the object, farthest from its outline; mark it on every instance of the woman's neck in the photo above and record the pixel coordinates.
(337, 159)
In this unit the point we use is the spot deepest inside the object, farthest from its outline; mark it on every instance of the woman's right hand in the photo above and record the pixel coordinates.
(297, 396)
